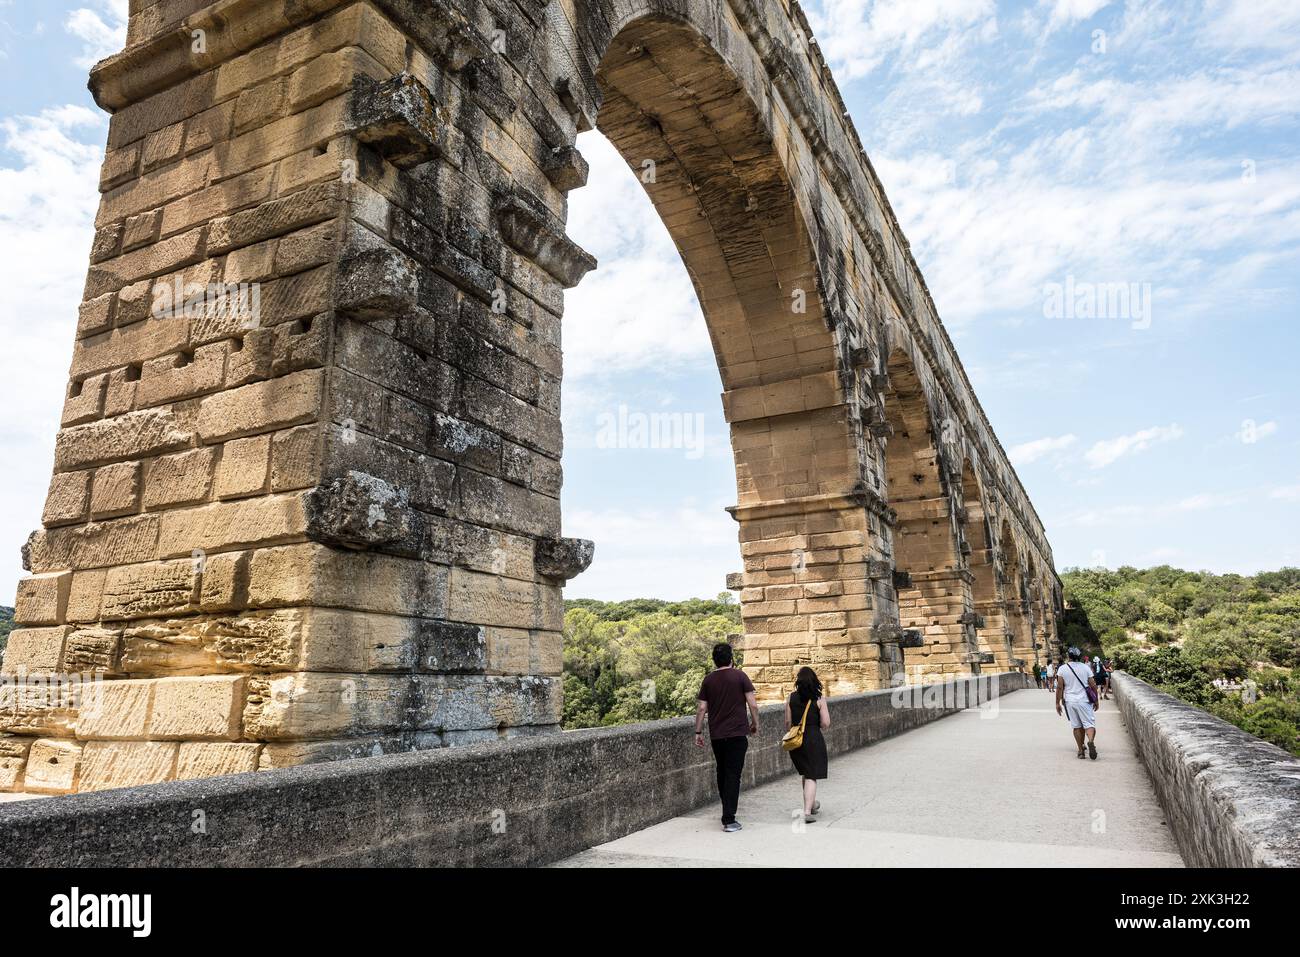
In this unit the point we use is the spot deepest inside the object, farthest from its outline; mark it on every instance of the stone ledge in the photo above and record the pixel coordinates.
(526, 801)
(1232, 800)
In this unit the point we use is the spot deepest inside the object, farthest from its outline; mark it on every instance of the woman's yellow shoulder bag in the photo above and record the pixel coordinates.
(793, 739)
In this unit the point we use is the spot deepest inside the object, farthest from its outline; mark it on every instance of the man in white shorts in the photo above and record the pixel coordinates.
(1073, 679)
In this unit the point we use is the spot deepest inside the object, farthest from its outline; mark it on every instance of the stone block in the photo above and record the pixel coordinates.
(116, 710)
(181, 479)
(260, 407)
(92, 651)
(68, 499)
(13, 759)
(35, 650)
(124, 764)
(130, 436)
(116, 490)
(243, 468)
(149, 590)
(43, 599)
(53, 767)
(206, 759)
(197, 709)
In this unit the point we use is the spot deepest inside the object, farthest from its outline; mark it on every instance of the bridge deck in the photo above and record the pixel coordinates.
(989, 787)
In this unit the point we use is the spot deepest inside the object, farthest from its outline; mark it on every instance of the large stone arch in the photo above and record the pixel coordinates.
(737, 213)
(310, 509)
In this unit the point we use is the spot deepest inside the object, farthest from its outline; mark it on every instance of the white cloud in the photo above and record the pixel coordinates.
(1129, 514)
(102, 31)
(1027, 452)
(1109, 451)
(673, 553)
(1068, 12)
(857, 36)
(1264, 24)
(1286, 493)
(638, 308)
(47, 208)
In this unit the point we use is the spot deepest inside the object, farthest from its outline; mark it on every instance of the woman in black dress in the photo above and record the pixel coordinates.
(809, 759)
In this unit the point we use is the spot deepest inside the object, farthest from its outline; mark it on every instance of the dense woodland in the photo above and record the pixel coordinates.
(6, 624)
(641, 659)
(1226, 643)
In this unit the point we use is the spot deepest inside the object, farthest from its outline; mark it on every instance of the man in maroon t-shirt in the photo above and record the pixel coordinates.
(727, 697)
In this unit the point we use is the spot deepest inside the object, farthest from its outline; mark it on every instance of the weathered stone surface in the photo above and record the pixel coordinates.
(132, 435)
(205, 759)
(43, 599)
(13, 759)
(361, 511)
(197, 709)
(398, 119)
(116, 709)
(53, 767)
(261, 407)
(35, 649)
(564, 558)
(360, 474)
(1231, 798)
(124, 764)
(92, 651)
(377, 284)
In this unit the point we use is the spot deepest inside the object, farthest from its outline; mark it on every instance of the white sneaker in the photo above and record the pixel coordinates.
(732, 827)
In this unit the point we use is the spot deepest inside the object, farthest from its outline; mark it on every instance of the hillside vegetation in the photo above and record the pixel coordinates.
(1226, 643)
(6, 625)
(641, 659)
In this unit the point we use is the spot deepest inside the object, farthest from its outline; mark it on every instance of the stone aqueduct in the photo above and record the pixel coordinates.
(330, 526)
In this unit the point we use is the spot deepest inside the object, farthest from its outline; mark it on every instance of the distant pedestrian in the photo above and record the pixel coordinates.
(1077, 691)
(1109, 665)
(1038, 674)
(1051, 675)
(807, 708)
(727, 698)
(1099, 676)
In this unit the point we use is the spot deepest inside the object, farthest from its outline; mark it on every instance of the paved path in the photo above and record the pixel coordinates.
(989, 787)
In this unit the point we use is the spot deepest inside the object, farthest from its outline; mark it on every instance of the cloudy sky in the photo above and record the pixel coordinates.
(1030, 150)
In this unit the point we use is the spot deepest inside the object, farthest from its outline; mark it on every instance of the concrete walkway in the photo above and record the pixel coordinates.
(991, 787)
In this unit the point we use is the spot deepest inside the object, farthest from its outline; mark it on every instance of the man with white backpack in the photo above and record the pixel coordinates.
(1076, 690)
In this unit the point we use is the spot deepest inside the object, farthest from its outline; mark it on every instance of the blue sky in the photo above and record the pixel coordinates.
(1023, 146)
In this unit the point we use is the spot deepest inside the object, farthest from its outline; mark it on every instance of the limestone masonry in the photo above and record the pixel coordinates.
(305, 501)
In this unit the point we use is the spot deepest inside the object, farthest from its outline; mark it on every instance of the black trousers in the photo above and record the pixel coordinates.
(729, 753)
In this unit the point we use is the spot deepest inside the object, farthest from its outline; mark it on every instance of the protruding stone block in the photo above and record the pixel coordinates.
(398, 119)
(43, 599)
(563, 558)
(360, 511)
(566, 169)
(528, 228)
(377, 284)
